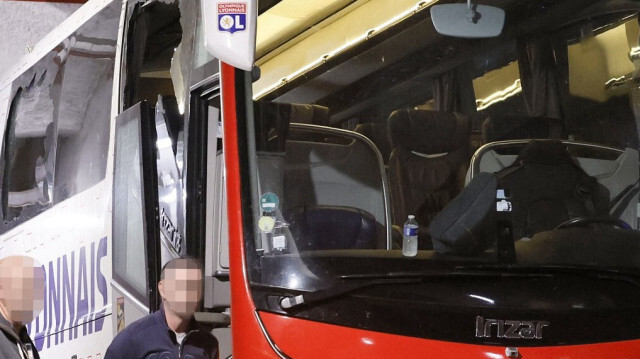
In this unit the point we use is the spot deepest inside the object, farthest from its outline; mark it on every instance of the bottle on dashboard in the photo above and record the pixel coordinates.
(410, 237)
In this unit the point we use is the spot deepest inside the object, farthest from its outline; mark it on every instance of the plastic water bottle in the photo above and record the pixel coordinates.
(410, 237)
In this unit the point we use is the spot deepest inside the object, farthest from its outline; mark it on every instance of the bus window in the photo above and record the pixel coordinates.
(85, 107)
(601, 76)
(28, 144)
(158, 52)
(55, 144)
(203, 63)
(497, 85)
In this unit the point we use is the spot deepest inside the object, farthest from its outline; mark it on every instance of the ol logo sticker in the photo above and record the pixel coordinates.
(232, 17)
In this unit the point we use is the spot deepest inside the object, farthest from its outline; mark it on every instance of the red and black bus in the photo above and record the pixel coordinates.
(515, 149)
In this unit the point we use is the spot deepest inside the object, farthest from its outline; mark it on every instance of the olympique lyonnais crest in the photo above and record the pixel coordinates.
(232, 17)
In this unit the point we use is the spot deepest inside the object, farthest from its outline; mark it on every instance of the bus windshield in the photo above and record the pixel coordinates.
(517, 151)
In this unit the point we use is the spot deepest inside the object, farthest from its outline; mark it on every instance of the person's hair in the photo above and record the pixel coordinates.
(180, 263)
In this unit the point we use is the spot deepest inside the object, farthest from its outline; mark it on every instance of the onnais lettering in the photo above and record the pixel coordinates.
(74, 287)
(509, 329)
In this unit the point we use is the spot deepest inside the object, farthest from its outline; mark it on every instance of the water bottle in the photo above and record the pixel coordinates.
(410, 237)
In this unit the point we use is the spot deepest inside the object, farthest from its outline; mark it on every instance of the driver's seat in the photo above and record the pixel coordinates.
(541, 190)
(546, 187)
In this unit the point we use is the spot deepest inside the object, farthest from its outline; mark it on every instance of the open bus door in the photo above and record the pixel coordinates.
(173, 102)
(136, 264)
(147, 201)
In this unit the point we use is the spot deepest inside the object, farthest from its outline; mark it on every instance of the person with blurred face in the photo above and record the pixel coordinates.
(160, 334)
(21, 300)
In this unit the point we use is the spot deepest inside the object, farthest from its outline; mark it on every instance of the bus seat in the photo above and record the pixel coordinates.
(272, 129)
(333, 227)
(428, 162)
(547, 187)
(378, 134)
(500, 128)
(310, 114)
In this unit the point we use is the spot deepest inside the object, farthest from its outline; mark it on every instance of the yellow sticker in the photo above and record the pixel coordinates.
(266, 224)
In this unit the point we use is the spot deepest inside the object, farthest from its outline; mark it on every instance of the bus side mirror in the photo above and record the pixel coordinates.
(467, 20)
(230, 31)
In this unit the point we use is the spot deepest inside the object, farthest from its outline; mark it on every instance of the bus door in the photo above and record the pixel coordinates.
(136, 260)
(149, 198)
(156, 213)
(171, 84)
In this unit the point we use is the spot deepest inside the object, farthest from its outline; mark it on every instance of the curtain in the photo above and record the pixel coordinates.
(446, 92)
(539, 67)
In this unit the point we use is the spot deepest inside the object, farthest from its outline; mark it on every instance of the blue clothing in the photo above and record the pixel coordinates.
(151, 338)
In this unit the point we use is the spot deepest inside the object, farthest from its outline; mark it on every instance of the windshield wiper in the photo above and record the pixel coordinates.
(352, 282)
(338, 289)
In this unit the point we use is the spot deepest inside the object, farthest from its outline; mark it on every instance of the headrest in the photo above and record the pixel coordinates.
(521, 127)
(311, 114)
(273, 119)
(272, 125)
(428, 132)
(548, 152)
(379, 134)
(366, 129)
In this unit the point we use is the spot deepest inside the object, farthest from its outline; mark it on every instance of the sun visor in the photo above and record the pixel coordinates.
(230, 31)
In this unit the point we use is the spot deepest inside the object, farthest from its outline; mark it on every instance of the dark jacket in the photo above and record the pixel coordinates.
(151, 338)
(9, 341)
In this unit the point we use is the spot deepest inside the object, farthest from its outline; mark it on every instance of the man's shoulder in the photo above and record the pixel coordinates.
(8, 348)
(141, 326)
(133, 336)
(8, 340)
